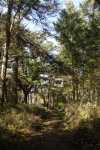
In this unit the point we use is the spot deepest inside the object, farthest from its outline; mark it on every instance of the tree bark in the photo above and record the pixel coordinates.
(3, 73)
(5, 52)
(25, 96)
(15, 77)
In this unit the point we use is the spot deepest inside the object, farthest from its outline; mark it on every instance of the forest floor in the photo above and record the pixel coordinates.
(50, 134)
(53, 132)
(47, 135)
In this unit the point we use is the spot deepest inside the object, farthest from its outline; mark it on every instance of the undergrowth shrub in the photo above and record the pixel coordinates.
(82, 115)
(22, 117)
(83, 123)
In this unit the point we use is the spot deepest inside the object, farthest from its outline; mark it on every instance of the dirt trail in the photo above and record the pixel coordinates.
(48, 134)
(51, 139)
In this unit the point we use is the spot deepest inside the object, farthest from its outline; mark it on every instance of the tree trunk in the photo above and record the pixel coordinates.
(15, 77)
(25, 96)
(5, 52)
(77, 91)
(73, 91)
(3, 73)
(73, 75)
(43, 97)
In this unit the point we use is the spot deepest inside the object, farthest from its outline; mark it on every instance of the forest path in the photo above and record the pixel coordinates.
(49, 135)
(52, 133)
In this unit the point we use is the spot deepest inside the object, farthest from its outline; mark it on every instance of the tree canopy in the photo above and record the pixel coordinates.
(29, 62)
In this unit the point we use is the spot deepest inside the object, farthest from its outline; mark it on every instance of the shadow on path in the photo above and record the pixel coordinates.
(51, 137)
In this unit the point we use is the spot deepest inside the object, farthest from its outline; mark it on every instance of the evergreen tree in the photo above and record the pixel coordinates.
(79, 34)
(16, 11)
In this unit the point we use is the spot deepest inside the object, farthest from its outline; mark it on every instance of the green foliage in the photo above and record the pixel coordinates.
(22, 118)
(78, 32)
(60, 105)
(82, 124)
(82, 115)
